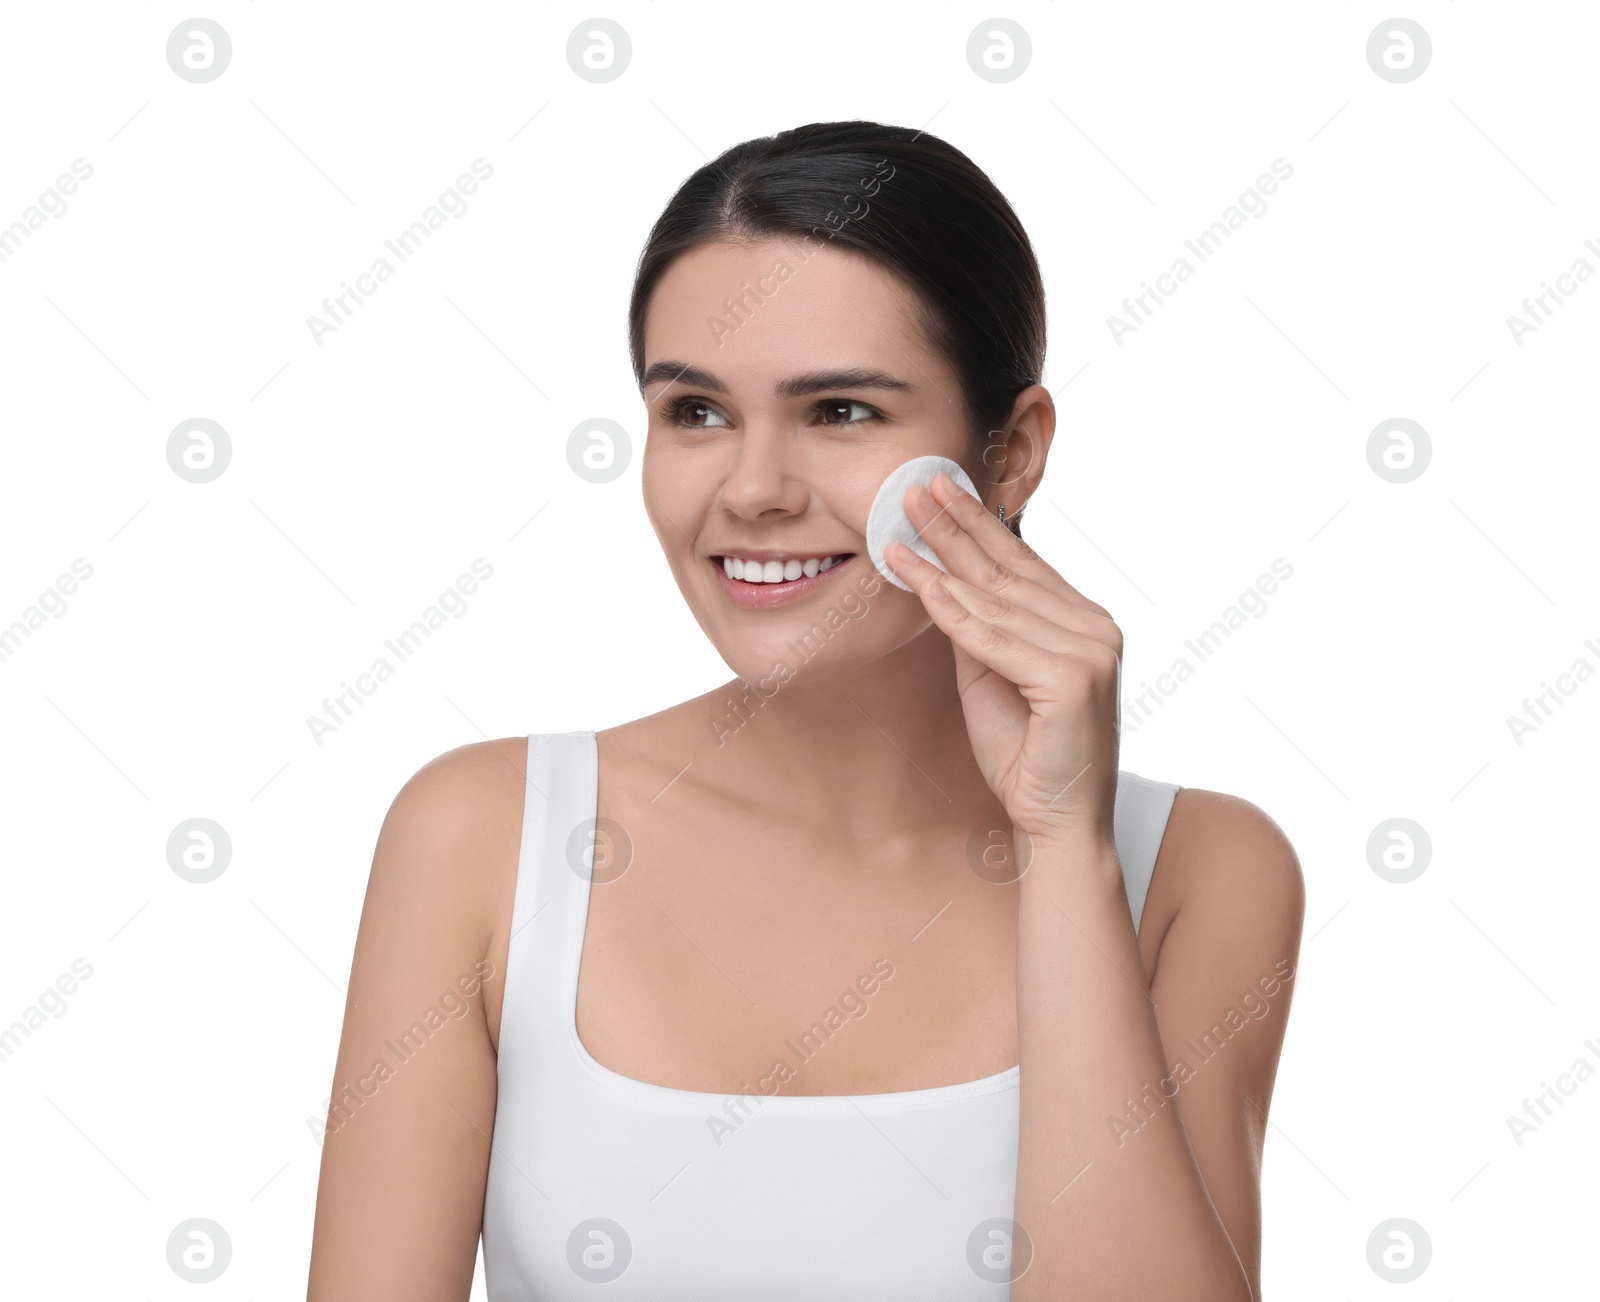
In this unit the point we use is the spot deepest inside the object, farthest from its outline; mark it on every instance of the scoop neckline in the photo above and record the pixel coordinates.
(670, 1096)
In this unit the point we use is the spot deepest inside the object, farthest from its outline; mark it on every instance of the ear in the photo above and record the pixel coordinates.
(1013, 460)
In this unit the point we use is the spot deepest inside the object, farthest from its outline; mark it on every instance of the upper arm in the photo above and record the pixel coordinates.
(405, 1156)
(1223, 980)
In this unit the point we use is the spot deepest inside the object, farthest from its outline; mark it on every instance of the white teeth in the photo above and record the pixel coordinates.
(774, 571)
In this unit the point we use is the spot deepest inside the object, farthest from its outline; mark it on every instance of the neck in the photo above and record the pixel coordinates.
(865, 753)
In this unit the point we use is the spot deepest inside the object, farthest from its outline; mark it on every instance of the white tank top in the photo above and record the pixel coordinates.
(596, 1178)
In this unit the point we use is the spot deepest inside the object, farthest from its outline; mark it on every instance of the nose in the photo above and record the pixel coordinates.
(761, 480)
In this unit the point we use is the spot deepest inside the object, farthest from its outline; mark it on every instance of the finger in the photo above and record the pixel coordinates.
(930, 582)
(1039, 674)
(944, 527)
(962, 555)
(998, 544)
(990, 586)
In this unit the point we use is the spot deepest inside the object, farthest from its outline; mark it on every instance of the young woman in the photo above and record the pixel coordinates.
(865, 974)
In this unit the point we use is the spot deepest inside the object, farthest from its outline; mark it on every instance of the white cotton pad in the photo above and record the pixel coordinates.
(887, 522)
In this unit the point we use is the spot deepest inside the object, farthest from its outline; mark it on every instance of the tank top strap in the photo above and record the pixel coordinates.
(1139, 821)
(558, 826)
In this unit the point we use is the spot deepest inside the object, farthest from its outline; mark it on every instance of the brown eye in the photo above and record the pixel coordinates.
(692, 414)
(831, 407)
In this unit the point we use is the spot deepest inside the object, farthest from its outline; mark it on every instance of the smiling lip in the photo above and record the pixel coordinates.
(763, 596)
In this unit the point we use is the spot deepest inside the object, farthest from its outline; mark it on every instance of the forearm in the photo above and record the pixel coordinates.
(1108, 1215)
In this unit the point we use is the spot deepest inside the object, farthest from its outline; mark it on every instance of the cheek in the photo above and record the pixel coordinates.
(849, 486)
(682, 471)
(677, 488)
(670, 481)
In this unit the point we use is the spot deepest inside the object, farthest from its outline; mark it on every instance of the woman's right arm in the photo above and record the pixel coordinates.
(405, 1156)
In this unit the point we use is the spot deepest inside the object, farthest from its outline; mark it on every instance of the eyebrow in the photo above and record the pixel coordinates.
(797, 386)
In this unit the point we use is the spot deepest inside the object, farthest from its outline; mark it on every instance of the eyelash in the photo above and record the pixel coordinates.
(674, 412)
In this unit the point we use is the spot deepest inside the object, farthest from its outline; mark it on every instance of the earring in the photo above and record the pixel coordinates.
(1001, 512)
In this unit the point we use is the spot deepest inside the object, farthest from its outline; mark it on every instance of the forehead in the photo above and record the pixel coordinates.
(750, 312)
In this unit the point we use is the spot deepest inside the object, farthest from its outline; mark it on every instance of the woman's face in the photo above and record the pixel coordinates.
(780, 394)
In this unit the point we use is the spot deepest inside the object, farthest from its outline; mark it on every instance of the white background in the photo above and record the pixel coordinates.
(369, 471)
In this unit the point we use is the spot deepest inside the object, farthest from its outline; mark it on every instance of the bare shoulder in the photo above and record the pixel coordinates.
(1220, 843)
(450, 824)
(1226, 866)
(453, 792)
(451, 842)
